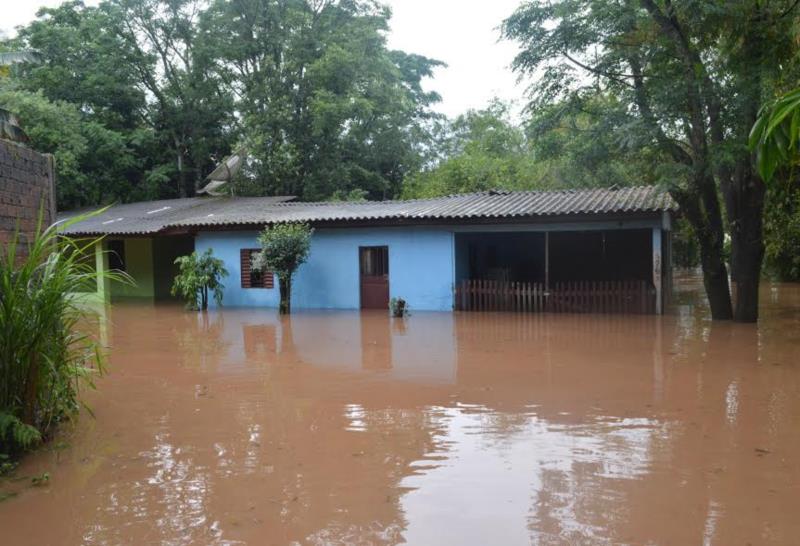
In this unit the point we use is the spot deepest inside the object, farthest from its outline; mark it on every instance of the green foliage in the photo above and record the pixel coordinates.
(155, 93)
(685, 251)
(687, 80)
(782, 230)
(325, 105)
(152, 113)
(15, 432)
(198, 274)
(41, 479)
(775, 135)
(353, 196)
(284, 248)
(398, 307)
(577, 143)
(624, 55)
(478, 151)
(44, 358)
(585, 141)
(90, 159)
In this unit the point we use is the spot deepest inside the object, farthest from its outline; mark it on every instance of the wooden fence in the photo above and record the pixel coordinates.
(625, 297)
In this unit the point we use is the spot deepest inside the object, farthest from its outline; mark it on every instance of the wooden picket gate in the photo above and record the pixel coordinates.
(624, 297)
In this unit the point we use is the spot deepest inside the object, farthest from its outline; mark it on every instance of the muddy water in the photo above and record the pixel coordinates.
(349, 428)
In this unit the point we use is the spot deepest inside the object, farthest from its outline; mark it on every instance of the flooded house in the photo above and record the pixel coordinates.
(594, 250)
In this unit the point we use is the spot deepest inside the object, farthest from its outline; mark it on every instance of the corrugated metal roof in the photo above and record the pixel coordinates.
(269, 210)
(148, 217)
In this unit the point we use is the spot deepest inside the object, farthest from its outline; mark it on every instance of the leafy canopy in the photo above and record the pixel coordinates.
(325, 106)
(284, 248)
(154, 94)
(479, 150)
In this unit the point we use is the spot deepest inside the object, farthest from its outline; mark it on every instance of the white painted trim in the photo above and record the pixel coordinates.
(657, 268)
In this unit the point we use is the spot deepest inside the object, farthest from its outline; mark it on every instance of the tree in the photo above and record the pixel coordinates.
(175, 63)
(284, 248)
(583, 142)
(479, 150)
(168, 88)
(81, 77)
(692, 77)
(138, 70)
(325, 105)
(198, 274)
(576, 143)
(89, 157)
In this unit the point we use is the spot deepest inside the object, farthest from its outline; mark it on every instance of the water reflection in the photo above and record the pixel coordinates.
(244, 427)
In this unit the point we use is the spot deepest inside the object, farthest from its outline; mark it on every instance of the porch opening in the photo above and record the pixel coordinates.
(150, 262)
(559, 271)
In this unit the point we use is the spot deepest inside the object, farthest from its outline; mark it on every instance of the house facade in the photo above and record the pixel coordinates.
(493, 249)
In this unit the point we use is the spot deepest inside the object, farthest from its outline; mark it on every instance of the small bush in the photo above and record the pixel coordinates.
(198, 274)
(283, 249)
(398, 307)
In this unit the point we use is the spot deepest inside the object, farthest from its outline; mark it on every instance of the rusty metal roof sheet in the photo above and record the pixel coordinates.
(233, 211)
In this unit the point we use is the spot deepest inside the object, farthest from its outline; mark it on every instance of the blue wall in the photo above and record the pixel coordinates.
(421, 268)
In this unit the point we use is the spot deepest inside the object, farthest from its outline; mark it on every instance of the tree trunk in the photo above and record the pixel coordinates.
(181, 172)
(710, 236)
(285, 285)
(715, 280)
(204, 298)
(746, 210)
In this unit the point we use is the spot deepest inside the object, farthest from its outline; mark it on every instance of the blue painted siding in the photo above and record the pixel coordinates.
(226, 246)
(421, 268)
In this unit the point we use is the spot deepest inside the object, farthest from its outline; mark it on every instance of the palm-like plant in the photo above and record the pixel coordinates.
(775, 135)
(9, 124)
(44, 356)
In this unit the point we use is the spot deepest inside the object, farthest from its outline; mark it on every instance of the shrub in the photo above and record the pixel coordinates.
(283, 249)
(398, 307)
(44, 358)
(198, 274)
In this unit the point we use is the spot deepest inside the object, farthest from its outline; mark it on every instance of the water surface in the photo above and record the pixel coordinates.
(238, 427)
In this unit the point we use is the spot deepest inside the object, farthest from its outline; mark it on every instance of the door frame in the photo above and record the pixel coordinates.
(361, 276)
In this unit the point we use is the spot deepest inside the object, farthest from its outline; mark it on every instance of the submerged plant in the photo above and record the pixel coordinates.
(198, 274)
(398, 307)
(44, 358)
(283, 249)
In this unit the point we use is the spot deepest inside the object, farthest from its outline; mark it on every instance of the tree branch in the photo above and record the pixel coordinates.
(610, 75)
(643, 104)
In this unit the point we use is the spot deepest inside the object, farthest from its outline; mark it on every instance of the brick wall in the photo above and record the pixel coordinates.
(27, 185)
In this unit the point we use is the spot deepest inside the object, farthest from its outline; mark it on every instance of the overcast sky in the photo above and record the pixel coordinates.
(462, 33)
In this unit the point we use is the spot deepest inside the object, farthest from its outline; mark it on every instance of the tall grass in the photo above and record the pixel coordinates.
(44, 357)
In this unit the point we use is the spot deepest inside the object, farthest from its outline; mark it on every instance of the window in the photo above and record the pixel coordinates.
(374, 261)
(116, 255)
(252, 278)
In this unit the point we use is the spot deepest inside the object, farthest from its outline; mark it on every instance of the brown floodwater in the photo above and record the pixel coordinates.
(239, 427)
